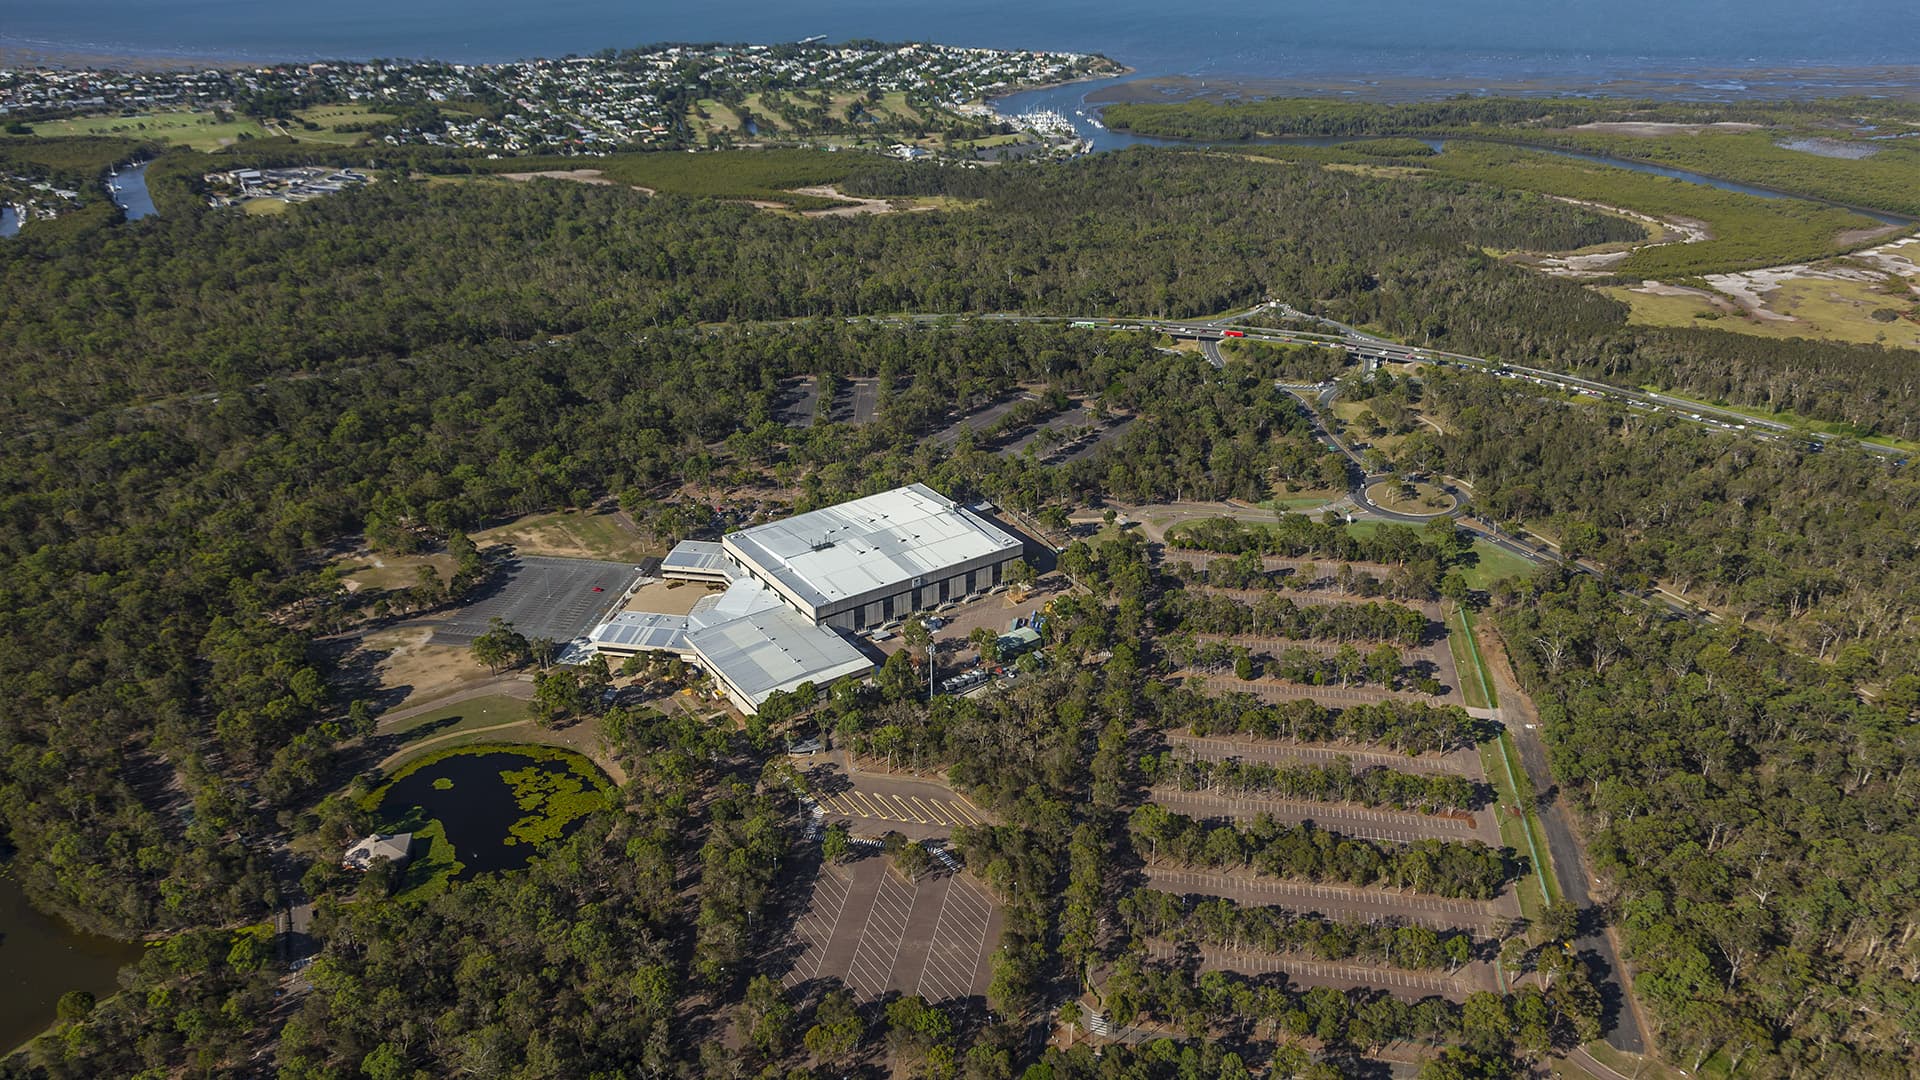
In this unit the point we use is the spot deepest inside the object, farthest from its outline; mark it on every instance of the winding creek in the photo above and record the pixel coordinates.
(127, 184)
(129, 190)
(1070, 101)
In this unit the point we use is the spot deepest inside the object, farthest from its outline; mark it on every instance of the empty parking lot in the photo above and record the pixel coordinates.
(901, 809)
(542, 597)
(798, 402)
(867, 927)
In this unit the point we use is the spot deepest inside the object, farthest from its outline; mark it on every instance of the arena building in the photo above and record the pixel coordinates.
(865, 563)
(796, 588)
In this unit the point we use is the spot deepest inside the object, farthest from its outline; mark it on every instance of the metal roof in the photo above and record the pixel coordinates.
(654, 630)
(775, 649)
(642, 630)
(699, 557)
(876, 543)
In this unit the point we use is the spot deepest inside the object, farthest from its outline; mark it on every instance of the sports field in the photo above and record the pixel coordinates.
(199, 130)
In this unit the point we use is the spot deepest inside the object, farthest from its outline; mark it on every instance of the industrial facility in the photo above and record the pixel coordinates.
(796, 588)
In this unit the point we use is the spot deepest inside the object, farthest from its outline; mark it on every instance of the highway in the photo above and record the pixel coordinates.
(1371, 349)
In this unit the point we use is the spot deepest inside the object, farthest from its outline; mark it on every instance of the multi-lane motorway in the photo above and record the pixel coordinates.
(1370, 350)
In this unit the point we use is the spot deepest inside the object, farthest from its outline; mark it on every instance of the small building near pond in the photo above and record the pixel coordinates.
(396, 848)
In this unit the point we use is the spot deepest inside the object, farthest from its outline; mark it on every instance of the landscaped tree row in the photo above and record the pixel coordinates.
(1440, 867)
(1418, 557)
(1526, 1022)
(1432, 793)
(1278, 616)
(1226, 923)
(1413, 726)
(1347, 666)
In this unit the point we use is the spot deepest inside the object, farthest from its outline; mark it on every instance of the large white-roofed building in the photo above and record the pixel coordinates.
(799, 585)
(864, 563)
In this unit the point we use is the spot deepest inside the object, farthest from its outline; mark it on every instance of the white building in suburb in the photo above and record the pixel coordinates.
(798, 586)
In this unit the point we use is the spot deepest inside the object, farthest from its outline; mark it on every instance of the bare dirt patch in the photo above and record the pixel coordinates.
(1861, 236)
(667, 597)
(1600, 260)
(578, 176)
(860, 203)
(372, 571)
(575, 534)
(1650, 129)
(417, 671)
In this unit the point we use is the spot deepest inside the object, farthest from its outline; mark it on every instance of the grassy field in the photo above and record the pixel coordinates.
(1494, 563)
(1301, 500)
(1748, 232)
(200, 130)
(732, 174)
(1425, 498)
(1523, 834)
(330, 116)
(1349, 413)
(1825, 309)
(708, 115)
(387, 571)
(575, 534)
(1475, 685)
(464, 716)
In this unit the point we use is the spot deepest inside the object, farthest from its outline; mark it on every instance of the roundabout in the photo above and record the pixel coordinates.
(1410, 498)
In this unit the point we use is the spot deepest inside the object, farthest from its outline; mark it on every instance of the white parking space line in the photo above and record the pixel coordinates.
(958, 939)
(880, 939)
(835, 890)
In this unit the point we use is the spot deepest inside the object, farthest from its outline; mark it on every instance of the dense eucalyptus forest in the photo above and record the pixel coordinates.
(202, 406)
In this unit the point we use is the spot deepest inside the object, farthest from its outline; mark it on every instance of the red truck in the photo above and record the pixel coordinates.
(1233, 333)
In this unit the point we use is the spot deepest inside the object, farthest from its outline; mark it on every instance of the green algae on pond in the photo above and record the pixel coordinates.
(493, 807)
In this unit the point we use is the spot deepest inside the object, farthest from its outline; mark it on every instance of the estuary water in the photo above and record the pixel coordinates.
(1712, 44)
(129, 189)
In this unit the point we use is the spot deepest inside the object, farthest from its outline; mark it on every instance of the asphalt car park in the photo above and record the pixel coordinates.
(542, 597)
(868, 927)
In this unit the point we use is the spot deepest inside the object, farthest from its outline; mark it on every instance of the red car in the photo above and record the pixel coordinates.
(597, 588)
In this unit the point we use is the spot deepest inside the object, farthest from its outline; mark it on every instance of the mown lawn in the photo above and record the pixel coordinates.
(767, 175)
(199, 130)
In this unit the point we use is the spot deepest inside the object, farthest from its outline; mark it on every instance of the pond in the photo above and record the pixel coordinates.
(486, 809)
(42, 958)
